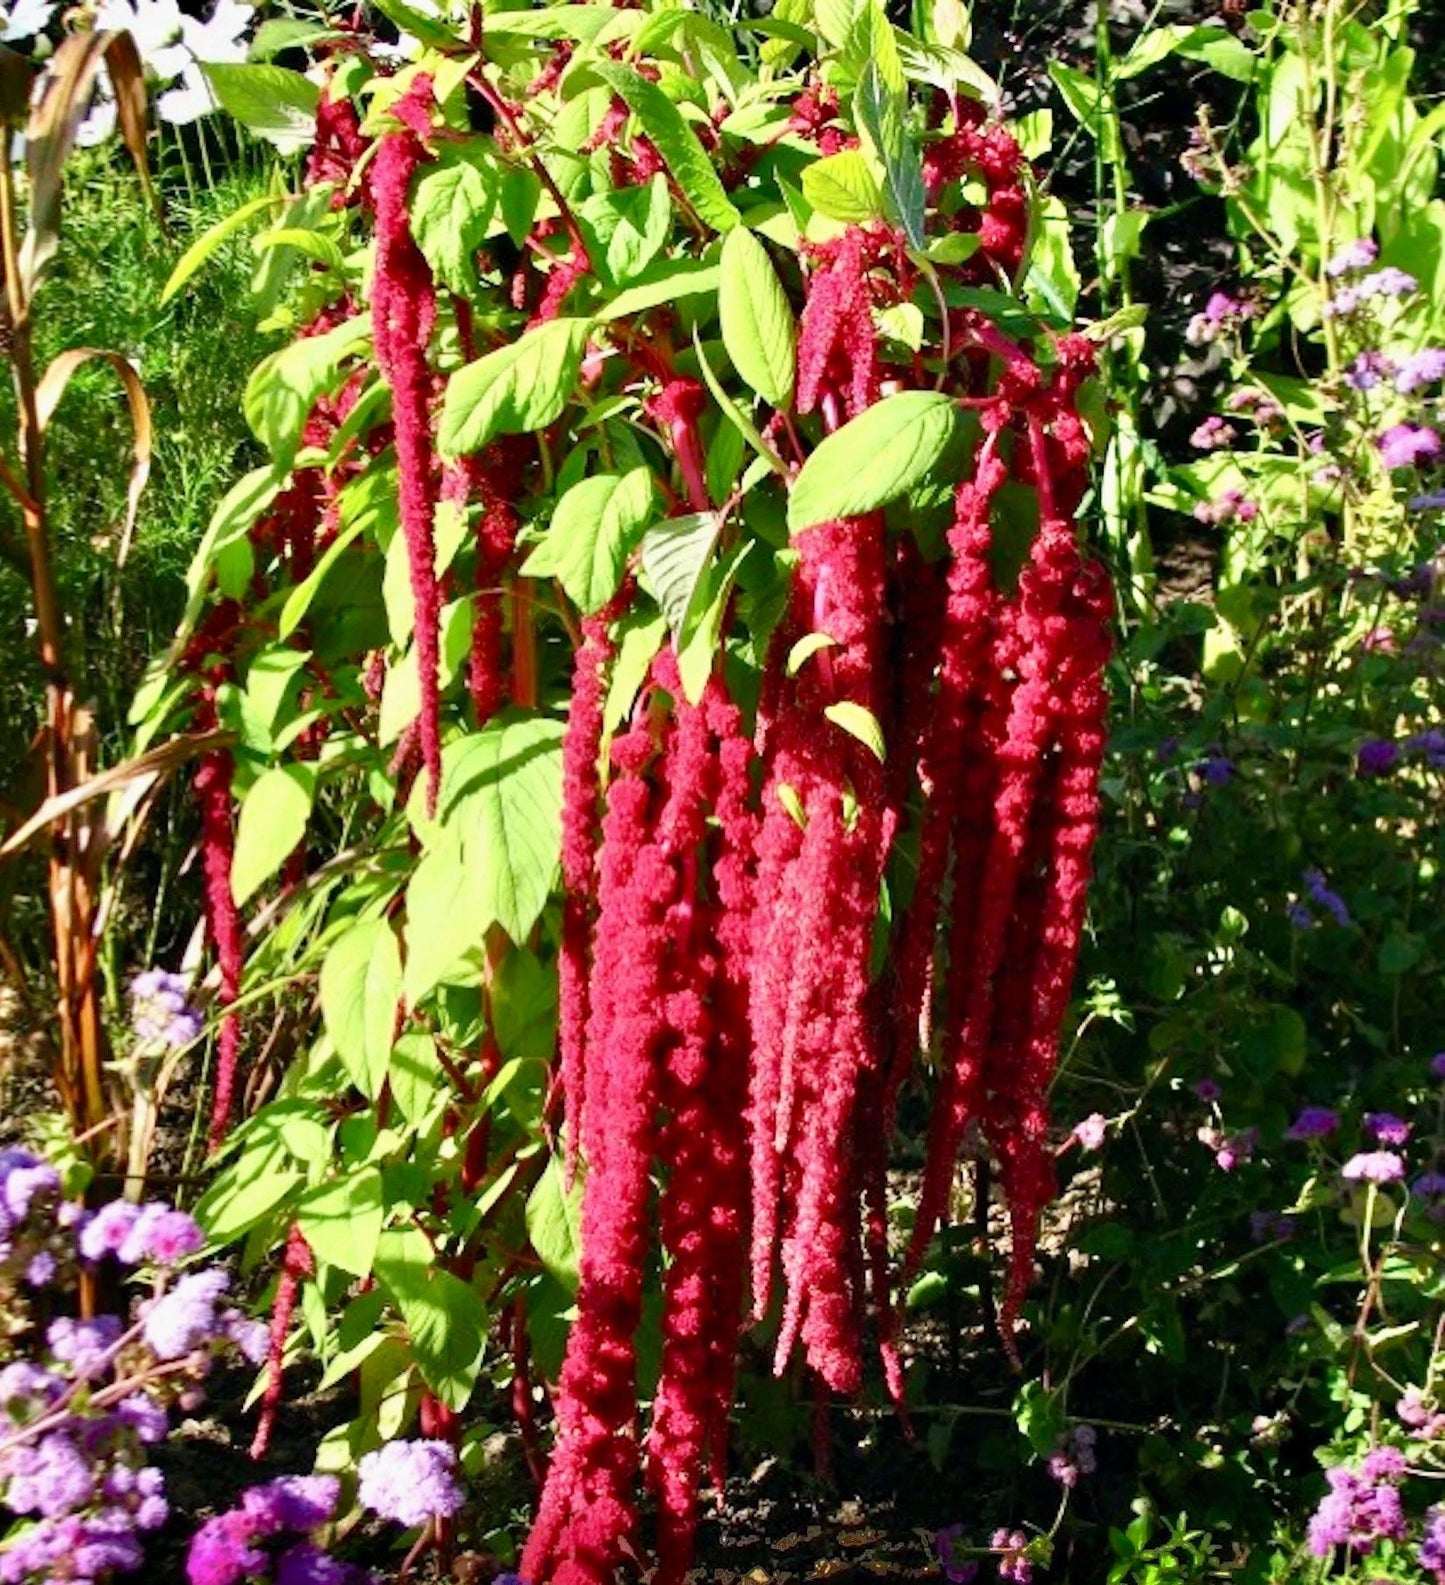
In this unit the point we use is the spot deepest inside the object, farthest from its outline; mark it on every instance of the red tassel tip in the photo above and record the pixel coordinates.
(837, 342)
(296, 1265)
(403, 308)
(223, 922)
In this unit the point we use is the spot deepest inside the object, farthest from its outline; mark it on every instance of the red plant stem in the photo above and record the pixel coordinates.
(212, 785)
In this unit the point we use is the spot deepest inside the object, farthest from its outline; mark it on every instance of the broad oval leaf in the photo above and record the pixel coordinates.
(593, 531)
(273, 820)
(342, 1220)
(873, 459)
(360, 988)
(757, 321)
(676, 142)
(674, 556)
(283, 387)
(554, 1223)
(519, 387)
(451, 211)
(844, 187)
(270, 101)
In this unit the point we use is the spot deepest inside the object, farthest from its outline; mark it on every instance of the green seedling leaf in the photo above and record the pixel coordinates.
(860, 722)
(757, 322)
(873, 459)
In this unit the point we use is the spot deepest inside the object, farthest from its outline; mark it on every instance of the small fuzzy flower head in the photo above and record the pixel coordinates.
(1388, 282)
(1374, 1166)
(1368, 369)
(1331, 901)
(83, 1345)
(1353, 257)
(1222, 315)
(960, 1571)
(1091, 1132)
(1432, 1543)
(1383, 1463)
(1231, 507)
(1386, 1129)
(1376, 756)
(1408, 445)
(1015, 1563)
(296, 1503)
(1357, 1511)
(1075, 1456)
(1208, 1091)
(159, 1013)
(24, 1181)
(184, 1319)
(1426, 367)
(410, 1482)
(1413, 1410)
(1235, 1149)
(1214, 434)
(1217, 770)
(1314, 1122)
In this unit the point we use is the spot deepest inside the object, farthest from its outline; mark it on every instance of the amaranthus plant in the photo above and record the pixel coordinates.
(671, 492)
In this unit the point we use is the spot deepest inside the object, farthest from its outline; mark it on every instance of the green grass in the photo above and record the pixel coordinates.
(193, 355)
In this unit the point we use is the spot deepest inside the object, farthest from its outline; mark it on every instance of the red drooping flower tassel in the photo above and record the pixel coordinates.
(588, 1511)
(296, 1265)
(212, 785)
(403, 309)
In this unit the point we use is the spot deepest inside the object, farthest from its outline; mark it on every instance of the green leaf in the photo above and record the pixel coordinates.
(284, 387)
(233, 519)
(360, 989)
(860, 722)
(758, 329)
(244, 1194)
(702, 631)
(594, 529)
(626, 229)
(665, 282)
(844, 187)
(444, 1316)
(676, 142)
(342, 1220)
(210, 243)
(554, 1224)
(451, 209)
(414, 1074)
(880, 110)
(674, 556)
(873, 459)
(446, 917)
(733, 413)
(1091, 108)
(502, 792)
(273, 820)
(274, 103)
(807, 646)
(520, 387)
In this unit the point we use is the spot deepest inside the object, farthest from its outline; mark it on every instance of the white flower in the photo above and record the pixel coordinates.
(153, 24)
(26, 19)
(188, 102)
(223, 37)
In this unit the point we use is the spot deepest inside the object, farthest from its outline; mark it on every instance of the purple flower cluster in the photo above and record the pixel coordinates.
(1015, 1564)
(1075, 1456)
(77, 1417)
(1302, 917)
(1388, 282)
(1231, 507)
(267, 1538)
(1230, 1150)
(1432, 1543)
(957, 1571)
(159, 1012)
(1377, 756)
(1353, 257)
(1214, 434)
(1408, 445)
(1374, 1166)
(410, 1482)
(1362, 1505)
(1222, 315)
(1313, 1122)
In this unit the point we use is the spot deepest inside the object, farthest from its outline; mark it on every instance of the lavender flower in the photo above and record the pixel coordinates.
(1329, 900)
(1313, 1122)
(410, 1482)
(184, 1319)
(1357, 255)
(1356, 1513)
(1376, 756)
(1091, 1131)
(1386, 1129)
(159, 1012)
(83, 1345)
(1408, 445)
(1015, 1563)
(1388, 282)
(1432, 1543)
(1368, 369)
(1374, 1166)
(1420, 368)
(1213, 434)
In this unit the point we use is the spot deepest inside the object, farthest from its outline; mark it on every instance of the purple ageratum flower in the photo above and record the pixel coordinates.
(251, 1338)
(1384, 1463)
(1408, 445)
(1091, 1131)
(80, 1549)
(293, 1502)
(1357, 255)
(144, 1416)
(1376, 756)
(23, 1179)
(171, 1236)
(83, 1345)
(106, 1232)
(1075, 1455)
(41, 1268)
(26, 1391)
(1429, 745)
(1299, 916)
(1329, 900)
(1235, 1149)
(1313, 1122)
(306, 1564)
(1437, 1065)
(223, 1551)
(185, 1319)
(410, 1482)
(1216, 769)
(961, 1572)
(1368, 369)
(1374, 1166)
(1386, 1129)
(1388, 282)
(52, 1478)
(1208, 1091)
(1015, 1563)
(1355, 1514)
(140, 1493)
(159, 1012)
(1420, 368)
(1213, 434)
(1432, 1543)
(1412, 1409)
